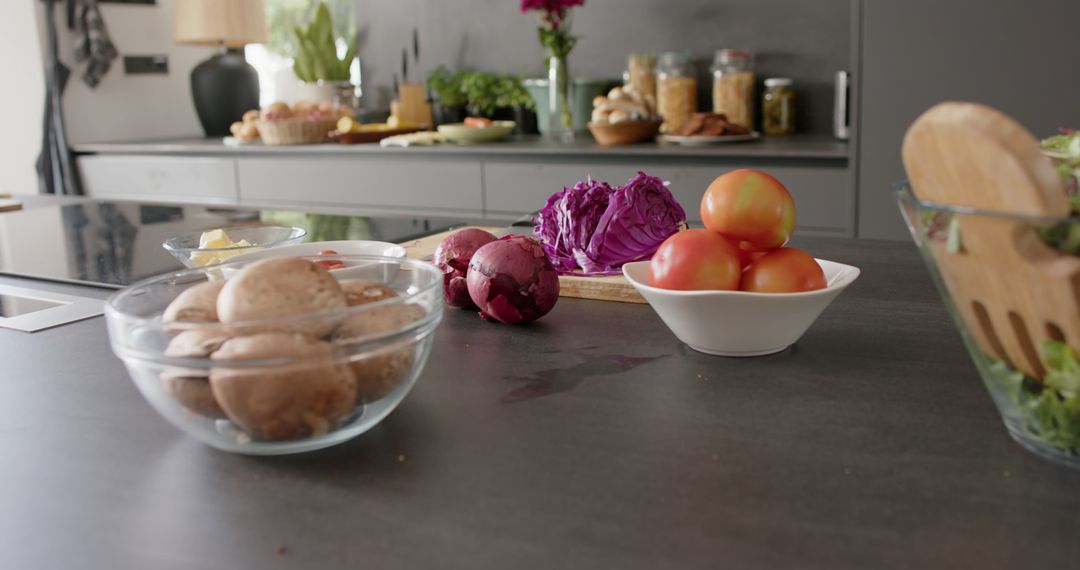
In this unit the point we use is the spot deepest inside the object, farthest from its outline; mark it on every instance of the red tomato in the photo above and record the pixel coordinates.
(695, 260)
(327, 252)
(749, 206)
(747, 252)
(785, 270)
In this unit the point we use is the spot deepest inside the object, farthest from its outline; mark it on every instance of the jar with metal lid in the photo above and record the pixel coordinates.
(733, 86)
(676, 89)
(641, 74)
(778, 107)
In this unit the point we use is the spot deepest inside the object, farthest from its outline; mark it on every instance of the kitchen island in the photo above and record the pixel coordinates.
(496, 181)
(590, 439)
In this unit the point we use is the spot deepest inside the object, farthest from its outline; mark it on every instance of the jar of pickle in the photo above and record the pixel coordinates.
(641, 73)
(733, 86)
(676, 89)
(778, 107)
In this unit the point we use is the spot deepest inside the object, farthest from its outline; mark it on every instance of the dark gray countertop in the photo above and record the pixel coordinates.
(870, 444)
(793, 147)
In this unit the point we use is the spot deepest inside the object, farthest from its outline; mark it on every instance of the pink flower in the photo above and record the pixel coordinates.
(557, 6)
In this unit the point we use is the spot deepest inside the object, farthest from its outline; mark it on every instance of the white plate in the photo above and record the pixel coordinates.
(740, 323)
(698, 140)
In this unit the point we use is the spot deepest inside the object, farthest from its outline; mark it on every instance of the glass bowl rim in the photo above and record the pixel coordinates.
(295, 232)
(902, 190)
(115, 316)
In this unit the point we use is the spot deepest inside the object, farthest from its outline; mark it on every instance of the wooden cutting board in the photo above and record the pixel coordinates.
(607, 288)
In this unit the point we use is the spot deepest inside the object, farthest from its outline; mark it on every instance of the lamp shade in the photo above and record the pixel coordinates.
(233, 23)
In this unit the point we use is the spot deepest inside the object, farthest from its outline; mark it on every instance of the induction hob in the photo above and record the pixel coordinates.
(113, 244)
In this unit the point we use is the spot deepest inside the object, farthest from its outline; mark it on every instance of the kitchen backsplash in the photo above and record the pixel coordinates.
(805, 40)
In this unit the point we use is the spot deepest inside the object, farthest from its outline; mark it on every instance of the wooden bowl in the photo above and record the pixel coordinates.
(624, 132)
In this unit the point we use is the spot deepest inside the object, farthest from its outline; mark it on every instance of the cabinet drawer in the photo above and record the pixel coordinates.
(436, 186)
(179, 179)
(822, 193)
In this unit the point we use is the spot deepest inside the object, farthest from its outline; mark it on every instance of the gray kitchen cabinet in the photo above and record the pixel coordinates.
(188, 179)
(823, 195)
(428, 186)
(917, 53)
(498, 182)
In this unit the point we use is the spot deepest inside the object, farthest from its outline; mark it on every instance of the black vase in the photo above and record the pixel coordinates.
(526, 121)
(447, 114)
(224, 87)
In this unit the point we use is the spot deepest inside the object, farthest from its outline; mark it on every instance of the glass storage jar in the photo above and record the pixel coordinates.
(733, 86)
(641, 73)
(676, 89)
(778, 107)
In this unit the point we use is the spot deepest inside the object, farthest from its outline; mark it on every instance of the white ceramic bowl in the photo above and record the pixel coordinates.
(739, 323)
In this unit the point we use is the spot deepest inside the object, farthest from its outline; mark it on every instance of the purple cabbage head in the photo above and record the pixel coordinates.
(568, 220)
(596, 228)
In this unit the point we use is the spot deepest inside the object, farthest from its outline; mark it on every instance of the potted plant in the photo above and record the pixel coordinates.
(448, 94)
(514, 96)
(325, 75)
(500, 98)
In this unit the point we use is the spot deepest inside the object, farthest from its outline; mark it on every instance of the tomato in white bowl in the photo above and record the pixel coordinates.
(740, 323)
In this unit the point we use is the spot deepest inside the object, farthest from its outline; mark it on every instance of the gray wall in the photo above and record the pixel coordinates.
(805, 40)
(1021, 57)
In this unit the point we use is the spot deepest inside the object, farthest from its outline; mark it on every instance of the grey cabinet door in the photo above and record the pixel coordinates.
(417, 185)
(186, 179)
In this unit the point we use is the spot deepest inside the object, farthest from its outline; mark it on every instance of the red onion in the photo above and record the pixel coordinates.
(453, 257)
(512, 281)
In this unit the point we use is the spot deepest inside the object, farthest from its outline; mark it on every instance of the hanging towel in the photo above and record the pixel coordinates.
(95, 48)
(55, 165)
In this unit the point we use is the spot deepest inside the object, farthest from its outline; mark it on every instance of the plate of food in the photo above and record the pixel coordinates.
(476, 130)
(709, 128)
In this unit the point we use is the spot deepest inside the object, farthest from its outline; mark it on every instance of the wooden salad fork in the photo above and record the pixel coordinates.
(1012, 289)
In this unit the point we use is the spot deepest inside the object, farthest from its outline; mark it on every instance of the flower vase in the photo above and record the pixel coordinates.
(560, 118)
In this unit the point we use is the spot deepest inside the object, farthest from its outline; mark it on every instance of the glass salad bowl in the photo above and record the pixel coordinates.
(1038, 393)
(286, 384)
(200, 249)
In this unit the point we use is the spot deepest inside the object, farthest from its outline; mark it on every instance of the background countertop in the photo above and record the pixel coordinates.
(796, 146)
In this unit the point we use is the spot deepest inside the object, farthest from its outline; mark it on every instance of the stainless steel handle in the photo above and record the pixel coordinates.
(841, 106)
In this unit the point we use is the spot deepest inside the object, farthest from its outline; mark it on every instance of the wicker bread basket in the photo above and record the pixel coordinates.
(295, 131)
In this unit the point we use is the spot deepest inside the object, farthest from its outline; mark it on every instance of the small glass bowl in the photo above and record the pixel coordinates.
(186, 248)
(1039, 416)
(279, 404)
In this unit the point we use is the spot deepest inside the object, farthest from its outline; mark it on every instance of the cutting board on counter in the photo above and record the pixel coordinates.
(607, 288)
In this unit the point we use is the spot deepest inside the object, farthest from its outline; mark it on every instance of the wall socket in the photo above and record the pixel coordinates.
(139, 64)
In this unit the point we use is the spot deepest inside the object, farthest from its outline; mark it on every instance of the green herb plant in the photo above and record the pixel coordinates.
(317, 54)
(447, 86)
(486, 92)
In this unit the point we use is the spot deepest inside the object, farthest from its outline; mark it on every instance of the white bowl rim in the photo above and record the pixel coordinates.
(398, 249)
(846, 275)
(175, 249)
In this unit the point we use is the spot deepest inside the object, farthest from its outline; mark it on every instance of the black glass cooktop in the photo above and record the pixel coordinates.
(112, 244)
